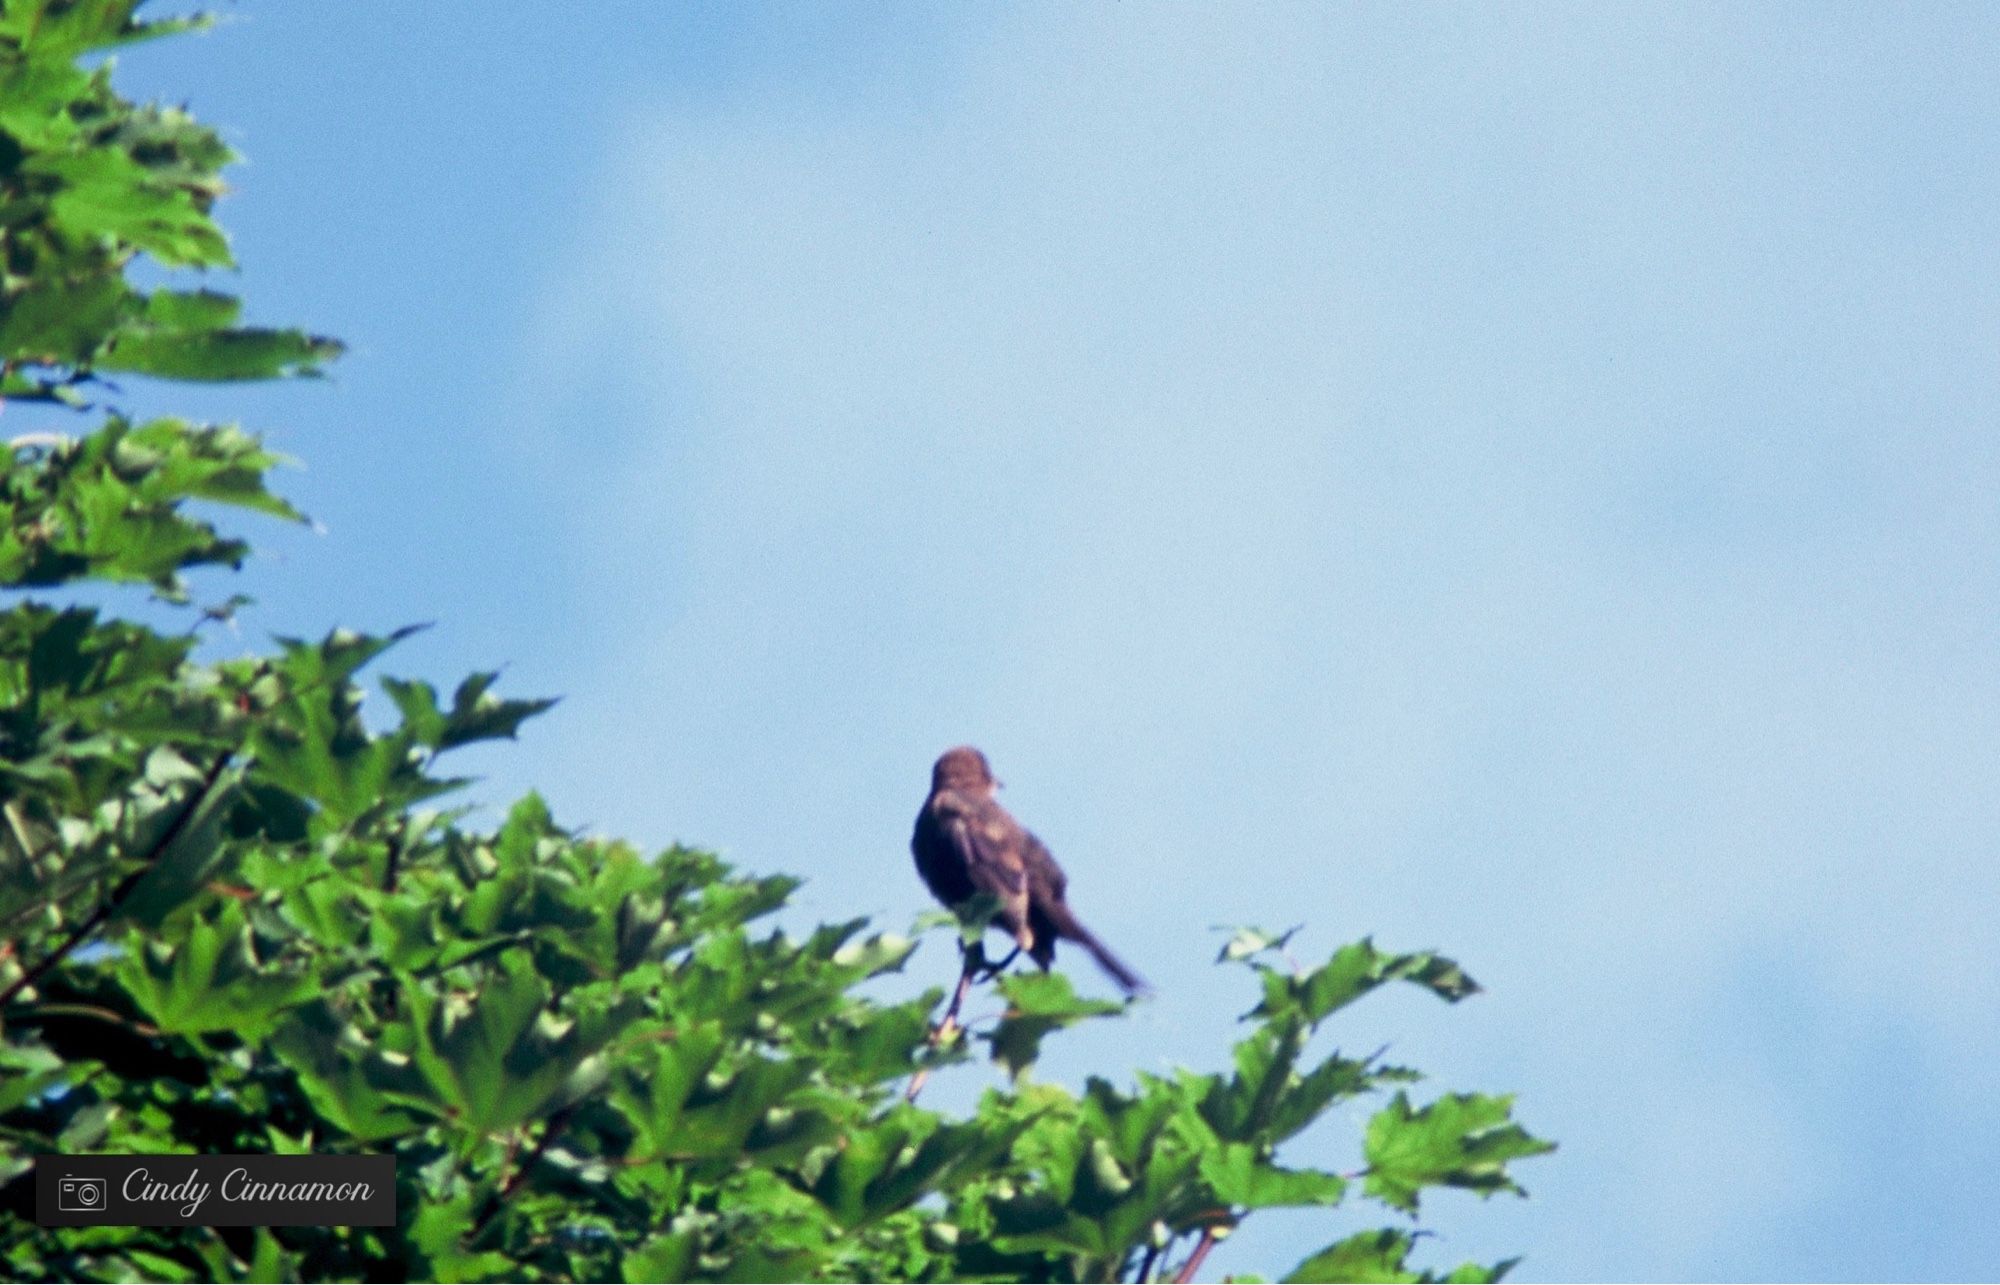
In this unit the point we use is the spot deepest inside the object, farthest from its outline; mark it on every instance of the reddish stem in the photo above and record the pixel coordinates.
(1193, 1264)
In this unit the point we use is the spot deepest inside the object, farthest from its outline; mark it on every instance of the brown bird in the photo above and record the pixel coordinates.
(966, 844)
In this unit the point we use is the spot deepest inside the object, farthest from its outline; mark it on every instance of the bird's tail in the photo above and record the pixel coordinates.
(1070, 928)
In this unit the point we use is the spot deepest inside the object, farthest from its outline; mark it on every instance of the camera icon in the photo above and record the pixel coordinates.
(80, 1195)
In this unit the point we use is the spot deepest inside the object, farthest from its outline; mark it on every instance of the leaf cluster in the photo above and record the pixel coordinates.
(89, 182)
(590, 1064)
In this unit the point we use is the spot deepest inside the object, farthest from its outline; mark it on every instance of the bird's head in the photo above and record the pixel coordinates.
(963, 768)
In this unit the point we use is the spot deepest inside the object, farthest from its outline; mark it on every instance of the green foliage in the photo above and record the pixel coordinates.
(234, 916)
(88, 182)
(1383, 1255)
(111, 505)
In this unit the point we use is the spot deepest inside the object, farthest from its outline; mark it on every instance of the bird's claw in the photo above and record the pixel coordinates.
(981, 969)
(990, 970)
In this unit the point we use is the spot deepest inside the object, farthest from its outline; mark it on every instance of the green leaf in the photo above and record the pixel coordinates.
(1461, 1140)
(884, 1165)
(109, 194)
(1306, 1097)
(217, 355)
(212, 979)
(1353, 971)
(1248, 943)
(1038, 1004)
(1369, 1256)
(663, 1258)
(192, 309)
(112, 504)
(353, 1083)
(502, 1055)
(1239, 1175)
(60, 321)
(188, 846)
(26, 1072)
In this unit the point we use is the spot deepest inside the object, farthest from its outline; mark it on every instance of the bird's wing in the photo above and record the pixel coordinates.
(989, 842)
(1043, 872)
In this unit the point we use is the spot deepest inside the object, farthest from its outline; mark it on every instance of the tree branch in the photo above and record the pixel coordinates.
(118, 895)
(975, 962)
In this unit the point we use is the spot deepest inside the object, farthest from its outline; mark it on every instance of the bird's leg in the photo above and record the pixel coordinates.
(990, 971)
(1024, 939)
(975, 969)
(947, 1027)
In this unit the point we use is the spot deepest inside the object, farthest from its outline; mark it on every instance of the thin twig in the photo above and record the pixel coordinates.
(1146, 1263)
(102, 1014)
(116, 900)
(1193, 1264)
(947, 1026)
(557, 1120)
(55, 896)
(549, 1132)
(393, 859)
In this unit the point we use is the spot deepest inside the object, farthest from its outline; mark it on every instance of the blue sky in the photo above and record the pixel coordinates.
(1520, 480)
